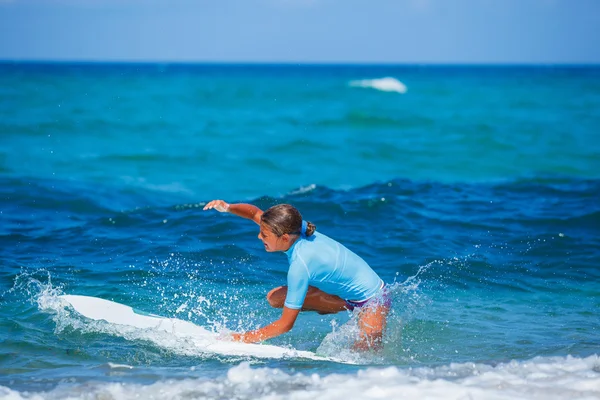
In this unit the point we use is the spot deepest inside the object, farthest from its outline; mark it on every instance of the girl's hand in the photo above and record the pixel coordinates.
(225, 336)
(228, 336)
(219, 205)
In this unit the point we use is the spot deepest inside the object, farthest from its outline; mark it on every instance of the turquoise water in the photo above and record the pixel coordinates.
(473, 193)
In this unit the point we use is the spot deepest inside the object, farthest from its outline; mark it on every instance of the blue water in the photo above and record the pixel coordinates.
(474, 194)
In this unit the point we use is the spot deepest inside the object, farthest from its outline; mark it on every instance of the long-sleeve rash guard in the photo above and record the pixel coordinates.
(322, 262)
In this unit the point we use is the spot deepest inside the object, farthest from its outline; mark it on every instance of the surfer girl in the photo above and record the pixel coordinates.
(323, 276)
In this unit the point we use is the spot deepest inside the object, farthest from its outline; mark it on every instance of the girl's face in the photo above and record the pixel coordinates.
(273, 242)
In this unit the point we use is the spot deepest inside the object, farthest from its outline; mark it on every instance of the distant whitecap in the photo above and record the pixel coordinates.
(304, 189)
(119, 366)
(387, 84)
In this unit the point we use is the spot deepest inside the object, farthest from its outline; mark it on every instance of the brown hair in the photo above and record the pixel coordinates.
(284, 218)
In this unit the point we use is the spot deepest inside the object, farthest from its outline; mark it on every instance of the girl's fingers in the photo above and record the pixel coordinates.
(219, 205)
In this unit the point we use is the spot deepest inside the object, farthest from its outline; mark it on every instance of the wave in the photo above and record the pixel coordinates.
(387, 84)
(539, 378)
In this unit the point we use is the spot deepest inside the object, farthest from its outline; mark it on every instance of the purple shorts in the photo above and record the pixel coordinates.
(382, 298)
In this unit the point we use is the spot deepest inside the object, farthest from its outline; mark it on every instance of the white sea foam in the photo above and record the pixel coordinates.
(387, 84)
(119, 366)
(304, 189)
(539, 378)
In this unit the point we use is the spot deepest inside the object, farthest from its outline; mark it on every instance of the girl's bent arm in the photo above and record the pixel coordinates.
(282, 325)
(243, 210)
(247, 211)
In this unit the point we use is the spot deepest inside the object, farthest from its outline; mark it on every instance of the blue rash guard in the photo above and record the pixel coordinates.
(322, 262)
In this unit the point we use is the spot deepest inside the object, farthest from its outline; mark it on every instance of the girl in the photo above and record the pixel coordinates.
(324, 276)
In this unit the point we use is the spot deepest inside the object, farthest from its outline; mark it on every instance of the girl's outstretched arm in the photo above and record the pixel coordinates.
(243, 210)
(282, 325)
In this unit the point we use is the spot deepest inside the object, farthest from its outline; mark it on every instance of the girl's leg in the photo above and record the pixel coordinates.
(371, 322)
(316, 300)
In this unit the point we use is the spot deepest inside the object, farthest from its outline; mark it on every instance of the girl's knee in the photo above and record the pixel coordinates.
(276, 297)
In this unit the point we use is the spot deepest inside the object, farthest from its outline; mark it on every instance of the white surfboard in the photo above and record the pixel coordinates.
(100, 309)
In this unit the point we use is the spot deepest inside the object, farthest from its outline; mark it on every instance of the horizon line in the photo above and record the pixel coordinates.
(299, 63)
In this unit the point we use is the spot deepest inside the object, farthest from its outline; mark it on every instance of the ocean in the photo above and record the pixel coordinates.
(473, 191)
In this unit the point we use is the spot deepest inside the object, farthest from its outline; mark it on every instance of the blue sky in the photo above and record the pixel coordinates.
(365, 31)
